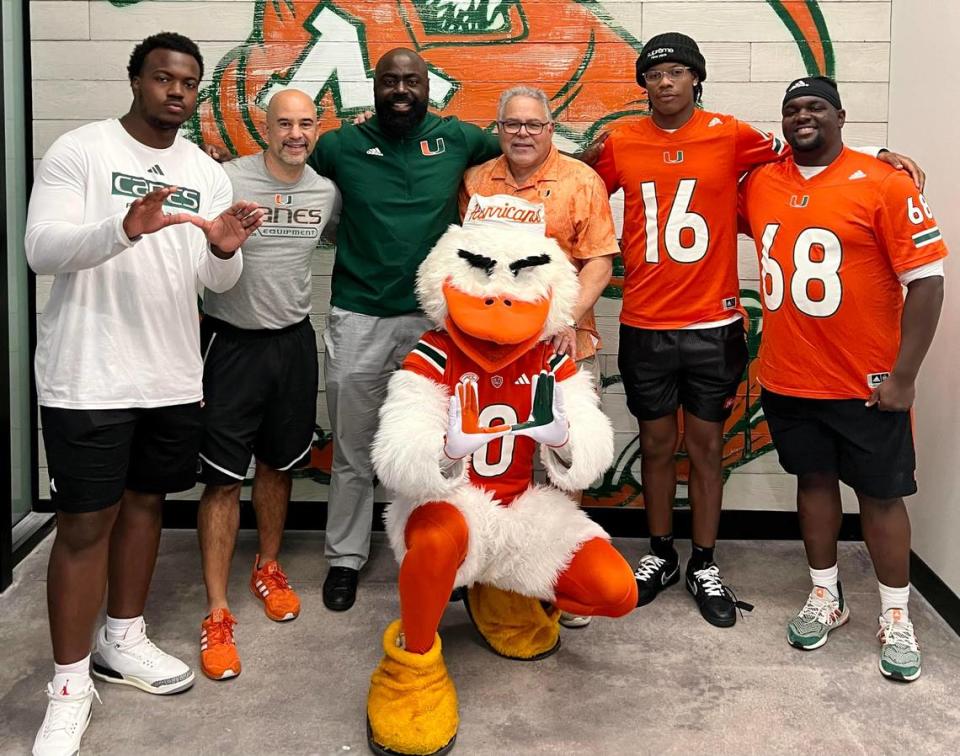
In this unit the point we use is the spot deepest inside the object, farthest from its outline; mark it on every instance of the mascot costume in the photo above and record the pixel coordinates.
(458, 434)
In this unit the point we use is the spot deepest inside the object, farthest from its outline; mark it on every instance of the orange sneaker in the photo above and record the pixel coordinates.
(269, 584)
(219, 659)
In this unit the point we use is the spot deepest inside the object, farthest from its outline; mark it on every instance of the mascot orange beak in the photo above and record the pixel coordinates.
(493, 330)
(501, 320)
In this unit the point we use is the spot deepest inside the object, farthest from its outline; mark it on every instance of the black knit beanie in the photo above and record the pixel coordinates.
(671, 47)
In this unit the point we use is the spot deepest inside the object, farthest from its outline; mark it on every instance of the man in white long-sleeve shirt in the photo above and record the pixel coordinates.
(128, 216)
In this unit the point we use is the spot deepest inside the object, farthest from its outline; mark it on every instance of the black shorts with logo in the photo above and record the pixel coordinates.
(259, 398)
(868, 449)
(699, 369)
(93, 455)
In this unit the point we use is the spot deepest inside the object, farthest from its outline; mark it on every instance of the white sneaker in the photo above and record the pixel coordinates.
(68, 715)
(574, 621)
(135, 661)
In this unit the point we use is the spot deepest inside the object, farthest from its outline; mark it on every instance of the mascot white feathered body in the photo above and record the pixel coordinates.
(521, 535)
(457, 443)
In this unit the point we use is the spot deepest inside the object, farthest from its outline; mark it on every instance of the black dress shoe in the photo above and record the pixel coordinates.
(340, 588)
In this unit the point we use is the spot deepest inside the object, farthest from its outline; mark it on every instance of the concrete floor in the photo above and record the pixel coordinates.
(658, 681)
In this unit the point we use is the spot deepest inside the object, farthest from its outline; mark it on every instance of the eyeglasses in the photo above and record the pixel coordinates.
(652, 77)
(533, 127)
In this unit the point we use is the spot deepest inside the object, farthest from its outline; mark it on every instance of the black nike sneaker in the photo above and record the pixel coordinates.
(717, 603)
(653, 575)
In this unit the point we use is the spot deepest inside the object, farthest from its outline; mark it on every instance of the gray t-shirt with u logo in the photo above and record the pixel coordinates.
(275, 286)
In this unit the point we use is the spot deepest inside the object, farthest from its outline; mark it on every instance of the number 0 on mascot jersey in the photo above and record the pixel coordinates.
(459, 431)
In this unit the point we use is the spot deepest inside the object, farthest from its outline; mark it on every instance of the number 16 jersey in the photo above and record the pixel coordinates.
(832, 249)
(680, 215)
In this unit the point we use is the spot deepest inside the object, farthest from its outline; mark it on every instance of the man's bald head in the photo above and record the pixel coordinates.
(291, 127)
(401, 91)
(405, 56)
(287, 100)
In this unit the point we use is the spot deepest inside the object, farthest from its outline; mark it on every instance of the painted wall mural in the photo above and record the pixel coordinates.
(573, 49)
(473, 48)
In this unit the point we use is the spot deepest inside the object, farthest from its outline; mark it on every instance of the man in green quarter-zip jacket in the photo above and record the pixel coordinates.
(399, 174)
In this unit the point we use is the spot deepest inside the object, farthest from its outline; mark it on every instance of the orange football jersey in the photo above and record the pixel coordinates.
(505, 465)
(679, 241)
(831, 251)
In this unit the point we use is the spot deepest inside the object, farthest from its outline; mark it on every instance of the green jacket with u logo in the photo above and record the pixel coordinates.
(399, 196)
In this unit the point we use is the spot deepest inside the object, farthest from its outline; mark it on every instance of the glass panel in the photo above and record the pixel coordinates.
(15, 159)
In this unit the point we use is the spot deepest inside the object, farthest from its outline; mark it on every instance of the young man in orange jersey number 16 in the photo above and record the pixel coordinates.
(839, 235)
(682, 340)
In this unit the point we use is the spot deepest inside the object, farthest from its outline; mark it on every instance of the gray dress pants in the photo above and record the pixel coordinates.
(361, 352)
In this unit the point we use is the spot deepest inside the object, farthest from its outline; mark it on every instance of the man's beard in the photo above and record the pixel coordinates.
(400, 123)
(798, 146)
(292, 161)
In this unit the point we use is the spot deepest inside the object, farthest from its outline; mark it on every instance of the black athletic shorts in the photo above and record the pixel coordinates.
(868, 449)
(93, 455)
(699, 369)
(259, 398)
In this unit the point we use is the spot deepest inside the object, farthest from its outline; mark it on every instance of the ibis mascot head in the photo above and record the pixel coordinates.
(497, 291)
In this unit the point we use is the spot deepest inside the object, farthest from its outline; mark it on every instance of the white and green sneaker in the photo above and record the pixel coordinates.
(899, 651)
(822, 613)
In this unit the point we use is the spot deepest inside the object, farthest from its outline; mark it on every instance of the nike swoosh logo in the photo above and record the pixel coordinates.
(665, 577)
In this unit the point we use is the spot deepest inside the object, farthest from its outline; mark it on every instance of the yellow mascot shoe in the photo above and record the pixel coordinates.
(514, 626)
(412, 704)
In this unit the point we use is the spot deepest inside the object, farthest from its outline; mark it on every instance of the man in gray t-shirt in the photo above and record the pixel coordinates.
(260, 375)
(274, 290)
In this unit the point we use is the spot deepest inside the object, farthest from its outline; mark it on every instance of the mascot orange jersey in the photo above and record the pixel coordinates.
(505, 465)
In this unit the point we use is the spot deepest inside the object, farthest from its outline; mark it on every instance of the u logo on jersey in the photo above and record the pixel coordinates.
(283, 199)
(669, 159)
(438, 147)
(799, 202)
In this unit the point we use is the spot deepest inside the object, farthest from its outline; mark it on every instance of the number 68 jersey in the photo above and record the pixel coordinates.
(832, 249)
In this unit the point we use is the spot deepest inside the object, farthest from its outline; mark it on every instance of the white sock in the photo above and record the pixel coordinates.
(895, 598)
(71, 678)
(117, 628)
(827, 578)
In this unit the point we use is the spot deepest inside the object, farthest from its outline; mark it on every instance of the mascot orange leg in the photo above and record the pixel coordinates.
(598, 581)
(412, 704)
(436, 536)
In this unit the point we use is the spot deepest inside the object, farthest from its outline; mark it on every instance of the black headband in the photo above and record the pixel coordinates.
(813, 86)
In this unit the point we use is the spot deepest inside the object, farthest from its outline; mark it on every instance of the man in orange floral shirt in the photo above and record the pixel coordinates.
(533, 187)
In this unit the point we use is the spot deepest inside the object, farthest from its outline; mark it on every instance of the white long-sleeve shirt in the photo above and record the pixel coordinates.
(121, 326)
